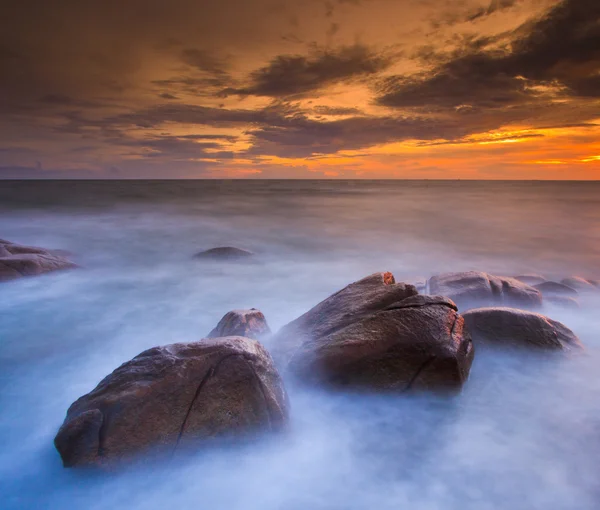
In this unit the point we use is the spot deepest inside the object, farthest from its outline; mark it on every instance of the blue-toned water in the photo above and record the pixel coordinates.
(524, 433)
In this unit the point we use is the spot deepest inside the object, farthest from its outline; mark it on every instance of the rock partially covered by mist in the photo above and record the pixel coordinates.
(224, 253)
(556, 289)
(357, 300)
(530, 279)
(175, 397)
(418, 343)
(508, 326)
(472, 289)
(248, 323)
(562, 302)
(17, 261)
(581, 284)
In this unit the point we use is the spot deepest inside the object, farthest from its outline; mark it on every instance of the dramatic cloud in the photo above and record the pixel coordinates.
(289, 75)
(367, 88)
(560, 50)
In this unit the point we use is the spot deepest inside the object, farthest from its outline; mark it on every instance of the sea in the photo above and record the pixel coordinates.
(524, 434)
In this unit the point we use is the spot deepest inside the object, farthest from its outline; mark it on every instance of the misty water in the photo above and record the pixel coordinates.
(523, 434)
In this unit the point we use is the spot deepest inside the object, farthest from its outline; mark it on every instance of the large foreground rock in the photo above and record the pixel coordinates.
(357, 300)
(508, 326)
(17, 261)
(472, 289)
(418, 343)
(249, 323)
(175, 396)
(224, 253)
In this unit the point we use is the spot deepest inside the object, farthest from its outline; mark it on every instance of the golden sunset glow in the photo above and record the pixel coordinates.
(315, 89)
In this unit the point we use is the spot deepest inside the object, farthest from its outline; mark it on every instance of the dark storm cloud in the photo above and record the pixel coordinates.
(289, 75)
(561, 48)
(331, 110)
(302, 137)
(454, 16)
(493, 7)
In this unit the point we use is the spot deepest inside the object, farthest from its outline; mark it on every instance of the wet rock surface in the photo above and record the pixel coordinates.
(419, 343)
(174, 397)
(355, 301)
(519, 328)
(17, 261)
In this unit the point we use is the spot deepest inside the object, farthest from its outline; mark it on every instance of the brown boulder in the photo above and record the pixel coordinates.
(509, 326)
(17, 261)
(249, 323)
(474, 289)
(418, 343)
(357, 300)
(174, 396)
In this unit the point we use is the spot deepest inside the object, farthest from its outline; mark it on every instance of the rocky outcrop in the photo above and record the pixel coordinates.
(472, 289)
(352, 303)
(17, 261)
(418, 343)
(555, 289)
(224, 253)
(174, 397)
(512, 327)
(248, 323)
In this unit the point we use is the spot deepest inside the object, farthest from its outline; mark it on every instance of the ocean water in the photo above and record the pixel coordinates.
(523, 434)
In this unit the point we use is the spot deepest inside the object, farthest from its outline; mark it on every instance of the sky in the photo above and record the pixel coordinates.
(408, 89)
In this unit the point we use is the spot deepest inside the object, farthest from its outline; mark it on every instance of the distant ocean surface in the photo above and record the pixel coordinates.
(524, 433)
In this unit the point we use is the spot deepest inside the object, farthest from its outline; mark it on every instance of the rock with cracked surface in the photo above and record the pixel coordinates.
(418, 343)
(346, 306)
(249, 323)
(511, 327)
(17, 261)
(473, 289)
(175, 397)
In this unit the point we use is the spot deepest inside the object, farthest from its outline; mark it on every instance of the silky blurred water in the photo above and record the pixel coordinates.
(524, 433)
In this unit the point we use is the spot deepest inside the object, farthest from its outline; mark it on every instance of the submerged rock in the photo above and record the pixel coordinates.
(357, 300)
(509, 326)
(562, 301)
(418, 343)
(580, 284)
(224, 253)
(530, 279)
(248, 323)
(472, 289)
(17, 261)
(556, 289)
(173, 397)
